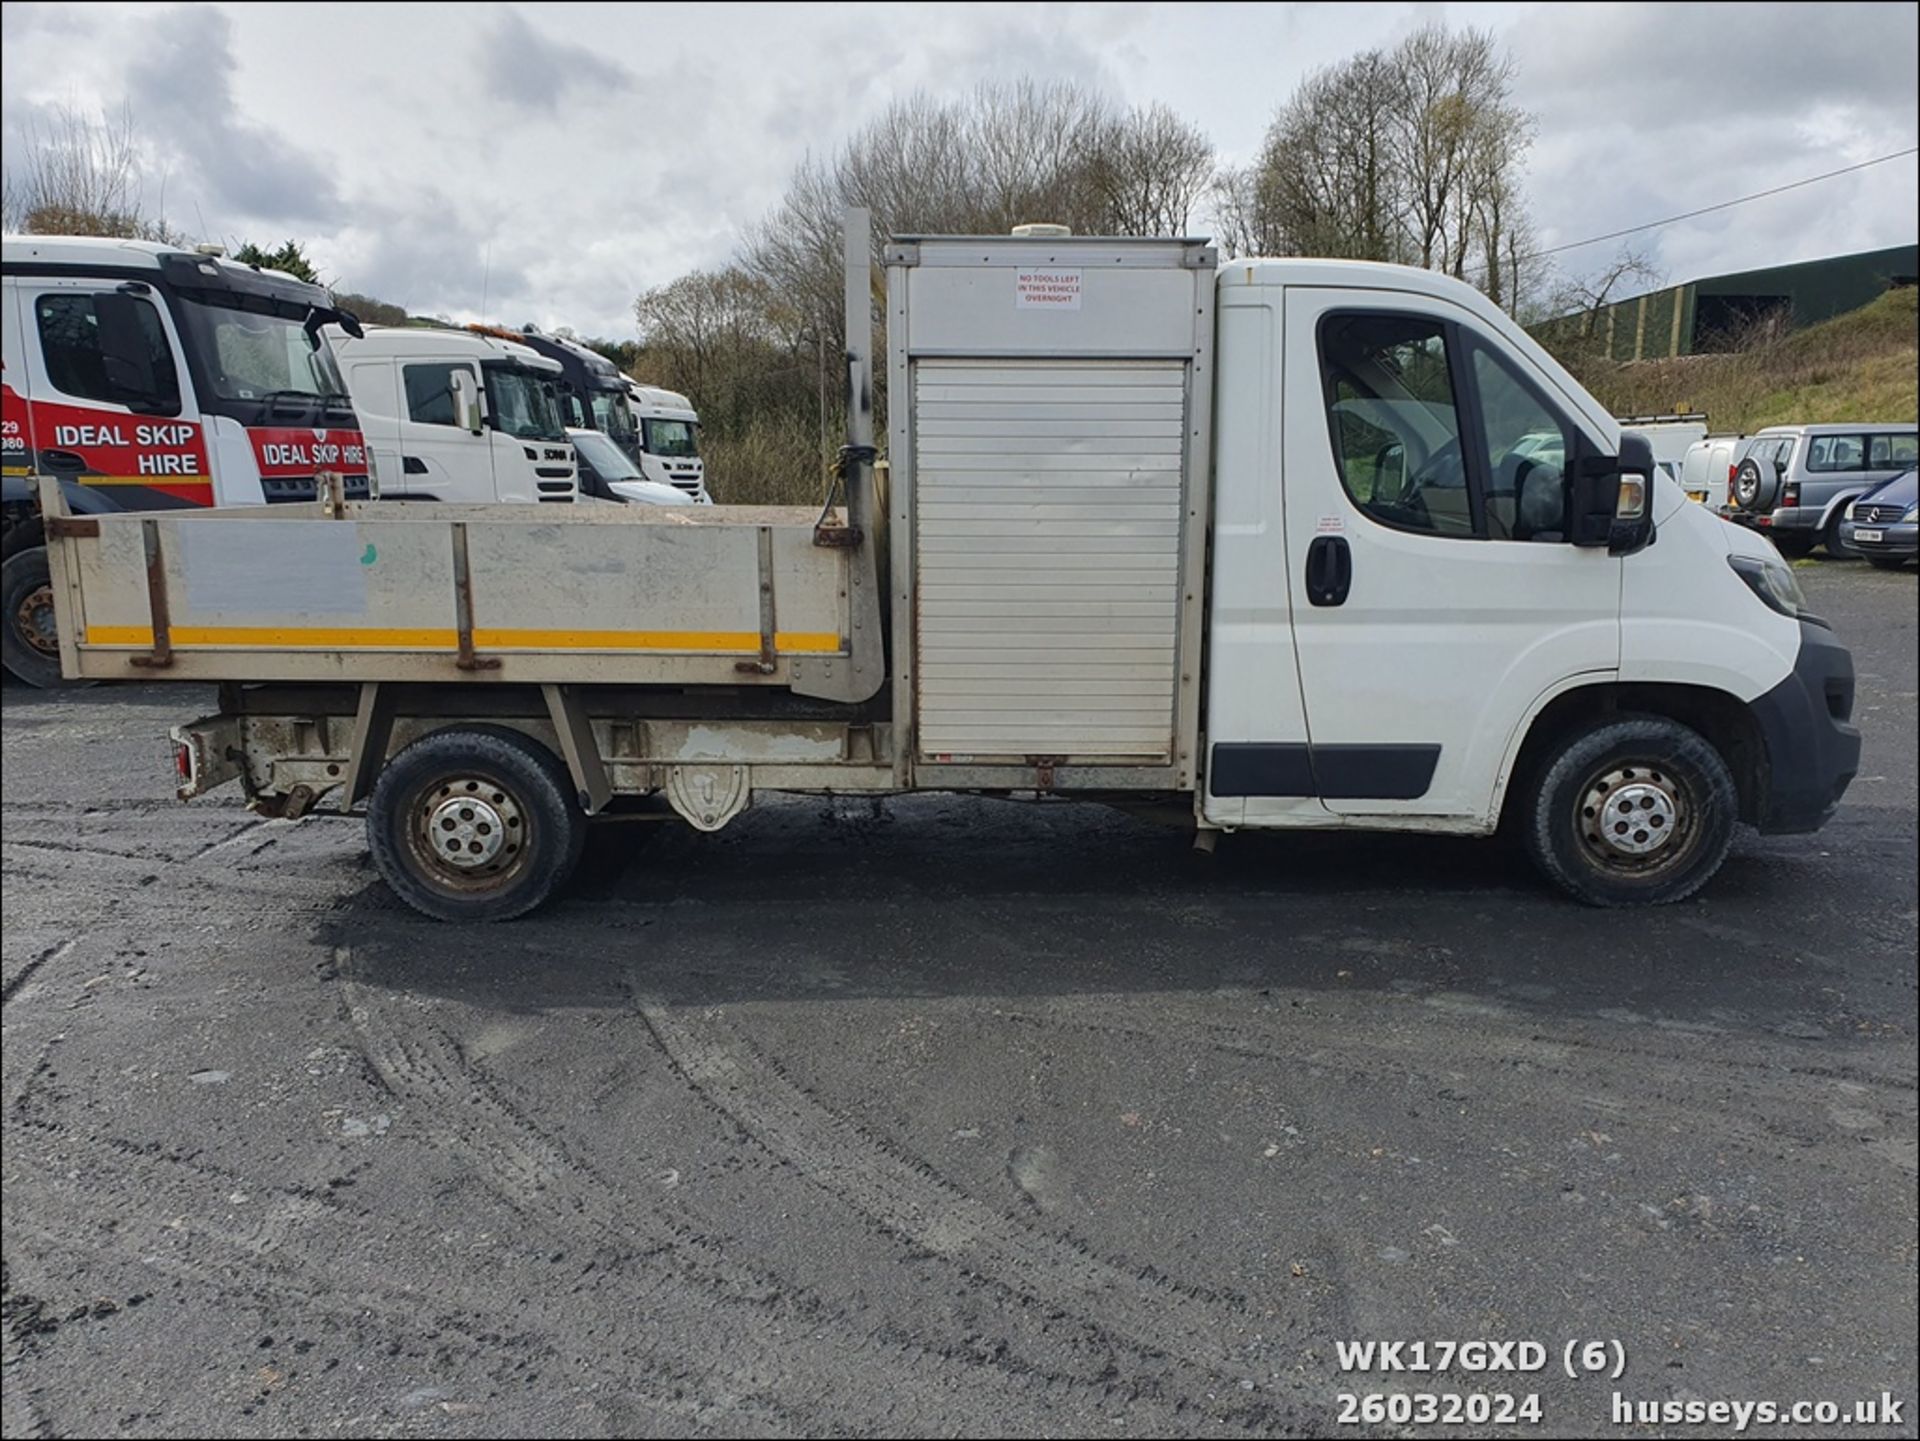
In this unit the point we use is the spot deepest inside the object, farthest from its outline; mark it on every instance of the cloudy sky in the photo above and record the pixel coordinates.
(550, 161)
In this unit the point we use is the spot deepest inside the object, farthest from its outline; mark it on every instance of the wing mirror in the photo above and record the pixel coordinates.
(466, 401)
(127, 356)
(1613, 498)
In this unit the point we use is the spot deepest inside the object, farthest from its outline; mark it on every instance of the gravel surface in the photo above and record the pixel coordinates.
(946, 1116)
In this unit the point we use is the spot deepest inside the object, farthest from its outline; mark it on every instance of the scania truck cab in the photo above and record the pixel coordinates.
(592, 391)
(669, 440)
(148, 377)
(454, 415)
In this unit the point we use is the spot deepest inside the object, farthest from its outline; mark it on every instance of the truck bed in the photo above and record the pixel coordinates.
(403, 592)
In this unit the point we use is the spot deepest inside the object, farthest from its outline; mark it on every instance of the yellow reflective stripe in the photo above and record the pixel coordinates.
(304, 638)
(742, 641)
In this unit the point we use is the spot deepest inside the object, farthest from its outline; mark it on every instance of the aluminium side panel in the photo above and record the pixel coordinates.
(1049, 449)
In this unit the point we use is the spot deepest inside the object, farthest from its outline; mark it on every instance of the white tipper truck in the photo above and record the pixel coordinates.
(1261, 537)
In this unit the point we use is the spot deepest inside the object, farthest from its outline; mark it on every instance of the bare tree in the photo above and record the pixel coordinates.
(1411, 155)
(1583, 299)
(80, 176)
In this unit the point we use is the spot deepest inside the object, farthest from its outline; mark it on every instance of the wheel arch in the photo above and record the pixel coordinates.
(1725, 721)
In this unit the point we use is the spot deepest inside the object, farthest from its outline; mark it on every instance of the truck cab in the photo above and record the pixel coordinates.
(591, 390)
(148, 378)
(451, 415)
(669, 440)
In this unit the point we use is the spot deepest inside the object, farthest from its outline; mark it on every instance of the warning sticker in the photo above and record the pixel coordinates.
(1046, 290)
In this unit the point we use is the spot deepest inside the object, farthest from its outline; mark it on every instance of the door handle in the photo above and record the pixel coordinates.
(1329, 570)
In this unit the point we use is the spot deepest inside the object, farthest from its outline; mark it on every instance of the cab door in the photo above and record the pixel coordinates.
(107, 399)
(440, 459)
(1436, 597)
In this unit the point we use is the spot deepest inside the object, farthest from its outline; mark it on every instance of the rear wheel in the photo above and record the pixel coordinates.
(1792, 545)
(29, 639)
(1638, 811)
(475, 823)
(1837, 548)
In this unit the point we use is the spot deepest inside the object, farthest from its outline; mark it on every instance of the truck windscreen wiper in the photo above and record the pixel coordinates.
(308, 399)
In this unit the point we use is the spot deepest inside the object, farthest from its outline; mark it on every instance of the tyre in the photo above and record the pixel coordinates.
(1837, 549)
(1637, 811)
(1754, 489)
(29, 642)
(1886, 562)
(1791, 544)
(475, 823)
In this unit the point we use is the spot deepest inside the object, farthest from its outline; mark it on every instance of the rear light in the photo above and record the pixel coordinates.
(1732, 471)
(183, 762)
(1791, 495)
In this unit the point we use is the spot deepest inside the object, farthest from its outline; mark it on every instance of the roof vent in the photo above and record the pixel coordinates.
(1042, 231)
(210, 248)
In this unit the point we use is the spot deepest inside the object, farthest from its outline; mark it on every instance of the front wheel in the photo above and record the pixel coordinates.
(29, 639)
(1638, 811)
(475, 823)
(1887, 562)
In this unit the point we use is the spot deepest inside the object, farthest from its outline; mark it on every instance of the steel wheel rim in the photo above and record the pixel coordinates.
(34, 623)
(469, 833)
(1636, 818)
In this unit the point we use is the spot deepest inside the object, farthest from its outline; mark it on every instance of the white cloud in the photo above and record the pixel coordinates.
(547, 162)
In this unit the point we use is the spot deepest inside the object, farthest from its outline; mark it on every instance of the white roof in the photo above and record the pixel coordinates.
(111, 250)
(1874, 427)
(654, 398)
(85, 250)
(422, 342)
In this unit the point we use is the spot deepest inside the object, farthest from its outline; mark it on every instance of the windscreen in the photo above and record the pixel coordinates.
(524, 404)
(673, 438)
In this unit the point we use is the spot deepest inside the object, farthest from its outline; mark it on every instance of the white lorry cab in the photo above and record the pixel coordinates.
(669, 449)
(147, 377)
(1299, 544)
(451, 415)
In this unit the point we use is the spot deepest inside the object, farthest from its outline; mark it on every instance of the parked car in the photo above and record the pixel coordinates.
(608, 473)
(1671, 437)
(1796, 481)
(1881, 524)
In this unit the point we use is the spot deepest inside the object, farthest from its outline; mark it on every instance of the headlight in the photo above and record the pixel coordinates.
(1910, 512)
(1773, 582)
(1852, 506)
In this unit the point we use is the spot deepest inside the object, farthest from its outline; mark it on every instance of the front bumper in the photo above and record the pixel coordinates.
(1813, 749)
(1895, 540)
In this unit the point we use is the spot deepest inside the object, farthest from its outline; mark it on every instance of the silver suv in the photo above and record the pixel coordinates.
(1795, 481)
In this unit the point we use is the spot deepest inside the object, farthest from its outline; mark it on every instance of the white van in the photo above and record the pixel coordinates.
(669, 439)
(1706, 470)
(1670, 436)
(454, 416)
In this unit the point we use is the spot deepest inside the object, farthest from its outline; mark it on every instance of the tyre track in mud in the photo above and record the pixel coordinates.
(1136, 1307)
(1364, 1053)
(673, 1267)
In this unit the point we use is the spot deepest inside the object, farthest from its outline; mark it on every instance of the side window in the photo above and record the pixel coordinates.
(1834, 452)
(1527, 448)
(70, 341)
(430, 392)
(1395, 422)
(1885, 451)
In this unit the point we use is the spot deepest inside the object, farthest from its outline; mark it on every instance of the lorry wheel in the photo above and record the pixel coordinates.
(1638, 811)
(29, 641)
(475, 823)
